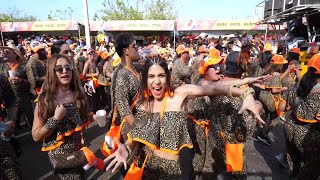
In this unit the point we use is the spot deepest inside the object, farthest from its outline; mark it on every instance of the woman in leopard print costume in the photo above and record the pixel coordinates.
(234, 128)
(291, 76)
(161, 125)
(271, 96)
(302, 129)
(200, 113)
(61, 114)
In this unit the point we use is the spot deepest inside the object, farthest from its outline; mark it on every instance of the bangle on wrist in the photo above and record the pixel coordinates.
(250, 90)
(51, 123)
(229, 93)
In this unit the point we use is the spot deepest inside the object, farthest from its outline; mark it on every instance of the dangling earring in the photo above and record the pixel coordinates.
(206, 77)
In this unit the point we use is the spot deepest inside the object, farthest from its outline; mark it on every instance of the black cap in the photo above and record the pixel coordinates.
(232, 64)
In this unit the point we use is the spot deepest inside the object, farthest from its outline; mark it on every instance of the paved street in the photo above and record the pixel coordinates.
(261, 162)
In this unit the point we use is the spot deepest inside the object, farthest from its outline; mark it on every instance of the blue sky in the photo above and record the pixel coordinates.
(188, 9)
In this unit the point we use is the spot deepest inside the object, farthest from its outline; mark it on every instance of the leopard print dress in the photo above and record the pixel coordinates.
(203, 161)
(237, 128)
(265, 96)
(290, 82)
(170, 135)
(71, 142)
(303, 139)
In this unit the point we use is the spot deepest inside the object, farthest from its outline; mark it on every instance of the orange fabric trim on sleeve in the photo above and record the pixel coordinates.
(312, 121)
(152, 146)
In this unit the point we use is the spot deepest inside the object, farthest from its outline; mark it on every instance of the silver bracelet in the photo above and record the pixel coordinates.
(51, 123)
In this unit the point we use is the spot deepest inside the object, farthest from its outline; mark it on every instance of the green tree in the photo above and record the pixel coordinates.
(137, 10)
(161, 10)
(16, 15)
(120, 10)
(61, 14)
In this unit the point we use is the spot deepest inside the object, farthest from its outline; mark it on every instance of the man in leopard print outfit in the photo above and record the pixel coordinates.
(126, 83)
(181, 72)
(8, 159)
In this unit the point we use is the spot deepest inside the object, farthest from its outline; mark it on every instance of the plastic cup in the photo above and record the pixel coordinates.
(12, 73)
(102, 117)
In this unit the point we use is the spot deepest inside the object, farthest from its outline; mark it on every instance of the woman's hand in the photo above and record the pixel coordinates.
(291, 67)
(250, 104)
(118, 157)
(60, 112)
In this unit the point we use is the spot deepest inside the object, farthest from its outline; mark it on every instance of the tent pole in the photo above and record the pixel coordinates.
(174, 39)
(1, 34)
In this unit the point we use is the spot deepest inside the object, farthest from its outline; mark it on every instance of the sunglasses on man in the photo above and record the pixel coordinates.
(60, 68)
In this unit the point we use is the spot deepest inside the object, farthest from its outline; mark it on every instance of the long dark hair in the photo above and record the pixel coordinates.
(291, 57)
(156, 60)
(265, 59)
(56, 47)
(307, 82)
(49, 88)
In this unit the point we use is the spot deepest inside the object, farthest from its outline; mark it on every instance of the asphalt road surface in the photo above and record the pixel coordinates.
(261, 162)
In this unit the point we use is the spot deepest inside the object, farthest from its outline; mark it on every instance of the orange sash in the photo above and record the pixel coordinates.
(115, 131)
(234, 155)
(203, 124)
(276, 104)
(134, 172)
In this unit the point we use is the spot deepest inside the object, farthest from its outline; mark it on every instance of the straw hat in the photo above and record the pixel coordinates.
(17, 52)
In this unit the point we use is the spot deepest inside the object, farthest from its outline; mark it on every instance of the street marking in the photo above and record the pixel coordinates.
(46, 176)
(23, 134)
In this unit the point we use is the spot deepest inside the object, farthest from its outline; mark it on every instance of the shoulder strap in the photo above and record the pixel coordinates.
(136, 98)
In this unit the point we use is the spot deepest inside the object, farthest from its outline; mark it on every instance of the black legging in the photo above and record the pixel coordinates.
(185, 161)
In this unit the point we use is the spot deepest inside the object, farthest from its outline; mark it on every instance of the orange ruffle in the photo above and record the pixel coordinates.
(60, 138)
(152, 146)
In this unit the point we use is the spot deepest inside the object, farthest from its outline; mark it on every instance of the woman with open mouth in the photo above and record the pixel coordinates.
(200, 114)
(161, 125)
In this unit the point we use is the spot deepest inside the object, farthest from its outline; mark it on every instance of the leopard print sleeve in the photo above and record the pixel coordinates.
(121, 96)
(274, 82)
(31, 75)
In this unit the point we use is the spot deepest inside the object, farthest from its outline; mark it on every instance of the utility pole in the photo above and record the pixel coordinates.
(86, 23)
